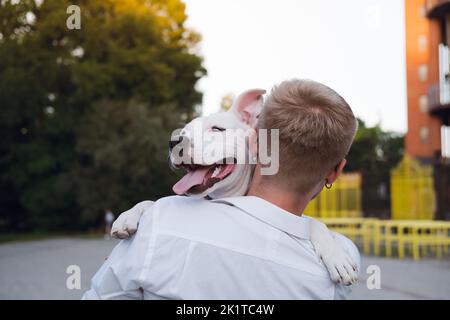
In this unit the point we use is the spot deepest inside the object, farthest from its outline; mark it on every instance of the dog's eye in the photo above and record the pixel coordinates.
(215, 128)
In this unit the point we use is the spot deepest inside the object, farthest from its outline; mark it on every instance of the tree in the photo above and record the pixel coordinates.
(374, 153)
(226, 102)
(51, 78)
(124, 156)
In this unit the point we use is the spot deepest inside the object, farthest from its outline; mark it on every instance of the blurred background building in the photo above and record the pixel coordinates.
(428, 91)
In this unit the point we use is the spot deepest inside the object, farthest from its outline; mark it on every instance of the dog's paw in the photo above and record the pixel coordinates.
(340, 266)
(127, 223)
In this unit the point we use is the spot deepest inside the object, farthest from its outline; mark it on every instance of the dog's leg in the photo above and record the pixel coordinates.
(339, 264)
(127, 223)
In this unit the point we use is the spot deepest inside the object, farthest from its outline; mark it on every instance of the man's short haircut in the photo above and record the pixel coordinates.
(316, 129)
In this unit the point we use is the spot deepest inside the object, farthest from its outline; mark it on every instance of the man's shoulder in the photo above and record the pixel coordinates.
(173, 204)
(179, 210)
(180, 200)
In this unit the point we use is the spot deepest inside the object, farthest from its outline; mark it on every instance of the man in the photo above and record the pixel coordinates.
(252, 247)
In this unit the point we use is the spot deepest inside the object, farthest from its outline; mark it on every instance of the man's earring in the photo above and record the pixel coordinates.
(254, 158)
(328, 185)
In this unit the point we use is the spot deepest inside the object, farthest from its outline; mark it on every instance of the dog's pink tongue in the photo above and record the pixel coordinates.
(192, 178)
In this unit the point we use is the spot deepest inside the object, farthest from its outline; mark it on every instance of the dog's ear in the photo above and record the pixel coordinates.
(248, 106)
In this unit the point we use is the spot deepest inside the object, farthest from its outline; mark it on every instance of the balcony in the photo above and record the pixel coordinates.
(439, 93)
(438, 97)
(437, 8)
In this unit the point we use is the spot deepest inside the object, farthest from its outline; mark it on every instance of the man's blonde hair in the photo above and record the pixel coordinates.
(316, 129)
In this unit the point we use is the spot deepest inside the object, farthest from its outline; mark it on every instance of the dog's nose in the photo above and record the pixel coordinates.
(174, 142)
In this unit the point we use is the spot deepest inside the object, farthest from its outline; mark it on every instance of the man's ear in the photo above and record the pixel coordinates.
(248, 106)
(334, 174)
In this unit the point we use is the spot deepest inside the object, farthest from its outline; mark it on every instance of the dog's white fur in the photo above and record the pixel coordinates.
(235, 184)
(243, 115)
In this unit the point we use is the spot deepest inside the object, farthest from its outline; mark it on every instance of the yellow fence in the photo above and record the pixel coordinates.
(412, 192)
(342, 200)
(414, 237)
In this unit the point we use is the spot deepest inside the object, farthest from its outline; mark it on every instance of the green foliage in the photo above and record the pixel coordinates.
(51, 80)
(123, 152)
(226, 102)
(374, 153)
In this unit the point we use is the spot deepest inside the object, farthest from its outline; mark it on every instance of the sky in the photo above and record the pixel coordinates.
(357, 47)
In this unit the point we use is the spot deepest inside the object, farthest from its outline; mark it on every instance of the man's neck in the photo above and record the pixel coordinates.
(292, 202)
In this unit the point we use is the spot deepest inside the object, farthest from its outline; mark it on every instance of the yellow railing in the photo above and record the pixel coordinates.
(412, 192)
(416, 237)
(342, 200)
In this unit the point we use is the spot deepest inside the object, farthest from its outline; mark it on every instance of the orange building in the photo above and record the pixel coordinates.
(427, 39)
(428, 90)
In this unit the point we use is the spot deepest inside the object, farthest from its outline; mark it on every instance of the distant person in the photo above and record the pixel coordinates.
(109, 219)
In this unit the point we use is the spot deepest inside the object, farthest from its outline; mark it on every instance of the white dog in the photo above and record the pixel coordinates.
(217, 165)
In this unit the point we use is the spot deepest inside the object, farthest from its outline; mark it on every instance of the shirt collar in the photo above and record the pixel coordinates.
(266, 211)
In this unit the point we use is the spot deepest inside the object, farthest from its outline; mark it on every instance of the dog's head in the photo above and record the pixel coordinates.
(214, 150)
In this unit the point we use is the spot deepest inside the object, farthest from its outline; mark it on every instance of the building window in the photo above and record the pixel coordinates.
(423, 11)
(423, 103)
(423, 133)
(423, 72)
(422, 43)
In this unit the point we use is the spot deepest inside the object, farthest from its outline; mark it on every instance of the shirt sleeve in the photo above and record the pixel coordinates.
(111, 282)
(342, 291)
(119, 276)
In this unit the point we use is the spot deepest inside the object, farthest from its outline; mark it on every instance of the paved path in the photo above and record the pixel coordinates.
(407, 279)
(37, 270)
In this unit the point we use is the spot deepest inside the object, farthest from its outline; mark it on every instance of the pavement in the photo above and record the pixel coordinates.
(38, 270)
(403, 279)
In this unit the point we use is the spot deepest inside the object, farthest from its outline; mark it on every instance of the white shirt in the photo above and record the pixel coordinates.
(232, 248)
